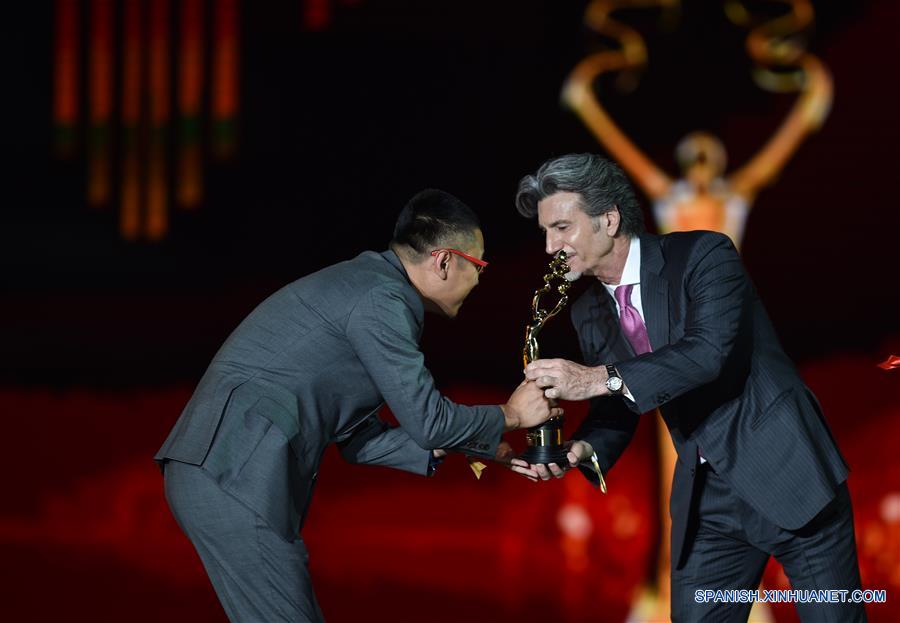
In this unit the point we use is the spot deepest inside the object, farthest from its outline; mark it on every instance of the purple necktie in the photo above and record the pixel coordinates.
(634, 328)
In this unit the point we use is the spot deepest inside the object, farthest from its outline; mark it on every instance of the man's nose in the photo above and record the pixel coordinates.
(553, 244)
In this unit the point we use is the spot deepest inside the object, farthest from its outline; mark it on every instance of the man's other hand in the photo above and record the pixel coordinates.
(504, 453)
(578, 451)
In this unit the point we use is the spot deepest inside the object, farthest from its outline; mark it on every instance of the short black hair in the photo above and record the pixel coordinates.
(433, 219)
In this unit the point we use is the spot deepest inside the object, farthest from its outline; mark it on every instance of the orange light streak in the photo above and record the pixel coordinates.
(158, 63)
(158, 75)
(101, 66)
(131, 64)
(130, 215)
(65, 75)
(157, 193)
(190, 61)
(190, 101)
(100, 105)
(225, 71)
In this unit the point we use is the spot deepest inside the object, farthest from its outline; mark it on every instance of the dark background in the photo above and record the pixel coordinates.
(102, 339)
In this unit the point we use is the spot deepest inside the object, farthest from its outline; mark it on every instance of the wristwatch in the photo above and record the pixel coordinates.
(614, 382)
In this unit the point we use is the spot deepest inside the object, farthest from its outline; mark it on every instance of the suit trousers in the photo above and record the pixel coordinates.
(730, 543)
(257, 575)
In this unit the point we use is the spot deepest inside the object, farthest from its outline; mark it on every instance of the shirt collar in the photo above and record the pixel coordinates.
(631, 274)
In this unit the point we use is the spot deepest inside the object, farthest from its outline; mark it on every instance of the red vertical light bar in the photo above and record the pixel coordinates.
(190, 100)
(316, 14)
(158, 99)
(225, 77)
(100, 90)
(65, 75)
(130, 217)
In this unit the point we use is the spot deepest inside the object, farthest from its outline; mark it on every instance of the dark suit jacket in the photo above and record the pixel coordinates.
(720, 379)
(312, 365)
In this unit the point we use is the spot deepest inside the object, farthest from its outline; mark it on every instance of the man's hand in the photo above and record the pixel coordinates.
(527, 407)
(504, 453)
(578, 452)
(563, 380)
(438, 453)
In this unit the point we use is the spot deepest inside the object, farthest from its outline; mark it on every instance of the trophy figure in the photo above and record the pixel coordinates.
(545, 442)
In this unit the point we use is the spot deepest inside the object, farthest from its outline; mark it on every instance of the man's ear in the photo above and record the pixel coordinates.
(440, 264)
(614, 222)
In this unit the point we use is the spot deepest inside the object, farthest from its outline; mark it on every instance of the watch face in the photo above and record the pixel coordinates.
(614, 383)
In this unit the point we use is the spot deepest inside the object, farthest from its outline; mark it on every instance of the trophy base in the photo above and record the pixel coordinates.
(545, 455)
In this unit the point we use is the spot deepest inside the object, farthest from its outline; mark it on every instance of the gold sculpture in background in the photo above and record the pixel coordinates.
(704, 197)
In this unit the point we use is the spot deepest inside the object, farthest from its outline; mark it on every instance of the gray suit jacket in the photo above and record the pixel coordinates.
(722, 383)
(312, 365)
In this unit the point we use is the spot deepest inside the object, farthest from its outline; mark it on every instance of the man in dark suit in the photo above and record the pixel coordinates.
(310, 366)
(674, 322)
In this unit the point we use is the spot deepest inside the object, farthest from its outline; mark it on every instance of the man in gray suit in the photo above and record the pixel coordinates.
(674, 322)
(310, 366)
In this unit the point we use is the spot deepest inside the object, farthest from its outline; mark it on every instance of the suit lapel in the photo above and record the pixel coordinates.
(654, 292)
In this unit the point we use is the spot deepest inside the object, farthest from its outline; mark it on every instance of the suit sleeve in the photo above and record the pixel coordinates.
(375, 442)
(716, 288)
(609, 427)
(382, 330)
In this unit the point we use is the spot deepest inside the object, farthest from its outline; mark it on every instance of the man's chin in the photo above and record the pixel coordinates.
(573, 276)
(441, 310)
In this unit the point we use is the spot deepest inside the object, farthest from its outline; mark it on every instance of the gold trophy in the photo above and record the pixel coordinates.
(545, 442)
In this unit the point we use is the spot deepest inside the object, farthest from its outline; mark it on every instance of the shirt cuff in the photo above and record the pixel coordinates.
(433, 463)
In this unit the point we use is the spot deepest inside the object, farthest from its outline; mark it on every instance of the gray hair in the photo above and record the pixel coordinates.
(599, 182)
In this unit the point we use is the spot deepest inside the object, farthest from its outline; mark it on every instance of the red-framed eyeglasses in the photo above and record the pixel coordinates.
(480, 265)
